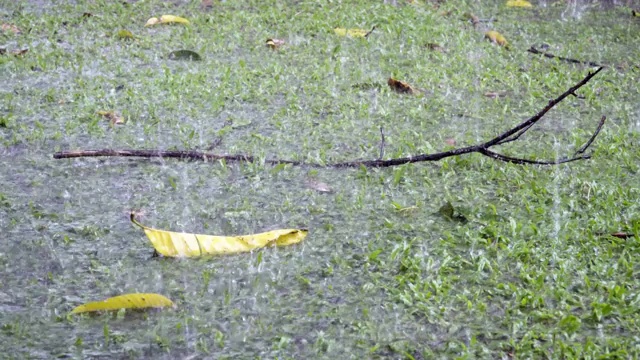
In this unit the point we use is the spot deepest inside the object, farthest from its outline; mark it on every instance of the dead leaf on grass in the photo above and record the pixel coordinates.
(450, 141)
(206, 5)
(495, 94)
(184, 55)
(167, 19)
(496, 38)
(401, 87)
(318, 186)
(124, 35)
(113, 117)
(19, 52)
(519, 3)
(10, 28)
(436, 47)
(275, 43)
(353, 33)
(472, 18)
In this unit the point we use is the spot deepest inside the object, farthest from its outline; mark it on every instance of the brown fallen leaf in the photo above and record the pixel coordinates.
(436, 47)
(401, 87)
(275, 43)
(87, 14)
(470, 17)
(206, 5)
(10, 28)
(113, 117)
(495, 94)
(450, 141)
(622, 235)
(318, 186)
(19, 52)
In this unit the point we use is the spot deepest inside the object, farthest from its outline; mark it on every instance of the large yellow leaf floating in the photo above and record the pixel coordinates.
(169, 243)
(127, 301)
(167, 19)
(519, 3)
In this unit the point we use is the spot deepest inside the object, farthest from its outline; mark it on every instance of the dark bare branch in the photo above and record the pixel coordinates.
(533, 50)
(593, 137)
(482, 148)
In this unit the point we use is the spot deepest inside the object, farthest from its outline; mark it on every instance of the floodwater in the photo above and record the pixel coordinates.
(66, 238)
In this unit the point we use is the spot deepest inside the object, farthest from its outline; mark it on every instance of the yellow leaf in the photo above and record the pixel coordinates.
(171, 19)
(152, 21)
(169, 243)
(167, 19)
(496, 37)
(519, 3)
(635, 13)
(124, 35)
(127, 301)
(354, 33)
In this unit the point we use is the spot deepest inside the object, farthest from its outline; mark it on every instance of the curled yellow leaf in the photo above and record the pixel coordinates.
(496, 37)
(127, 301)
(167, 19)
(169, 243)
(519, 3)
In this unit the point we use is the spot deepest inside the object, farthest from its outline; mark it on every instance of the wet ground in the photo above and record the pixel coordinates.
(382, 273)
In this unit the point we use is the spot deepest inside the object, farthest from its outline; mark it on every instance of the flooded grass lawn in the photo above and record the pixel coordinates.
(526, 269)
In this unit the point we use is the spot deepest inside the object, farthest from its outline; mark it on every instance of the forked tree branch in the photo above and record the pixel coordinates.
(510, 135)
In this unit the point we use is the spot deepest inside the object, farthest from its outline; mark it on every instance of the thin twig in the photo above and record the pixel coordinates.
(593, 137)
(370, 31)
(381, 143)
(482, 148)
(521, 161)
(533, 50)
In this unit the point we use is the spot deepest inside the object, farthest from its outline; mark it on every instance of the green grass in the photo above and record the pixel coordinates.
(382, 273)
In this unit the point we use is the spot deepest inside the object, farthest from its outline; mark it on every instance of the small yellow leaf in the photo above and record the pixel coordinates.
(519, 3)
(124, 35)
(172, 19)
(496, 37)
(275, 43)
(169, 243)
(127, 301)
(635, 13)
(167, 19)
(354, 33)
(152, 21)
